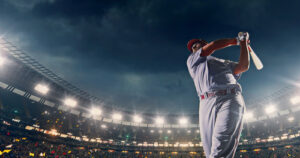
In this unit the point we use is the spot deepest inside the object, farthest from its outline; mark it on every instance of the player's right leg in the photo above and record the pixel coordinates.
(207, 116)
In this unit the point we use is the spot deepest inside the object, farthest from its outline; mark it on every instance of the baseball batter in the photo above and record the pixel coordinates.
(221, 102)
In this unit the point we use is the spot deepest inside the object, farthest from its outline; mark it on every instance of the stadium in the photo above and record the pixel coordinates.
(44, 115)
(112, 79)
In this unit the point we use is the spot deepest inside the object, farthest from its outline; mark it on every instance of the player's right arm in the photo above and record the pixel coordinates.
(244, 61)
(211, 47)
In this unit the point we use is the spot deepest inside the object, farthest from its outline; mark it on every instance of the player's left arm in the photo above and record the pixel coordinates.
(211, 47)
(244, 61)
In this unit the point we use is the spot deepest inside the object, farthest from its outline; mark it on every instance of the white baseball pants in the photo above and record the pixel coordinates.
(221, 123)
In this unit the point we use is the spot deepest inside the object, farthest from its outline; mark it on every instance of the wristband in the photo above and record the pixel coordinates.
(238, 41)
(241, 36)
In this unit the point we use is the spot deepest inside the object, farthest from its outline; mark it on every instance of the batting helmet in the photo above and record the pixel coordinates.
(193, 41)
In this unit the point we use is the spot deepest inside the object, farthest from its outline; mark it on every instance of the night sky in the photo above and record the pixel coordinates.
(132, 53)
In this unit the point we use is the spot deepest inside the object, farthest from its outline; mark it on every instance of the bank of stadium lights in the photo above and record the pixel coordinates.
(117, 116)
(291, 119)
(95, 111)
(54, 132)
(159, 120)
(2, 60)
(270, 109)
(137, 119)
(46, 113)
(295, 100)
(70, 102)
(41, 88)
(183, 121)
(248, 115)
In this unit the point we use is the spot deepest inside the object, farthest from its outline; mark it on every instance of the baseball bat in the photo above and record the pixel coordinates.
(257, 62)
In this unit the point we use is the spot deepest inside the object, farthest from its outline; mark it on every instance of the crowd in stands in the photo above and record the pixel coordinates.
(291, 152)
(15, 141)
(18, 142)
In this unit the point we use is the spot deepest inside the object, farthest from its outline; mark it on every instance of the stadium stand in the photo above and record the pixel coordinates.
(38, 125)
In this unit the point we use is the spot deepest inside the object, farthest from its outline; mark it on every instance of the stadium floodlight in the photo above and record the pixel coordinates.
(295, 100)
(183, 121)
(69, 134)
(270, 109)
(70, 102)
(169, 131)
(2, 60)
(159, 120)
(46, 112)
(53, 132)
(291, 119)
(248, 115)
(117, 116)
(95, 111)
(103, 126)
(41, 88)
(137, 119)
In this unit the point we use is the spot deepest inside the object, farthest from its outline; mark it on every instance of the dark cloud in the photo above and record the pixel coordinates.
(133, 54)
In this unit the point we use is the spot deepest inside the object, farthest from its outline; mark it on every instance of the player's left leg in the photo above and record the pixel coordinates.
(228, 126)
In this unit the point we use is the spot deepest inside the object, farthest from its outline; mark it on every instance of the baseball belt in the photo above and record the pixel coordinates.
(218, 93)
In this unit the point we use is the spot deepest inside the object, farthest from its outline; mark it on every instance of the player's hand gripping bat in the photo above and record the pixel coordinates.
(257, 62)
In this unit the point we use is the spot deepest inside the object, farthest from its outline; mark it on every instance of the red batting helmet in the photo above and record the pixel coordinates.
(193, 41)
